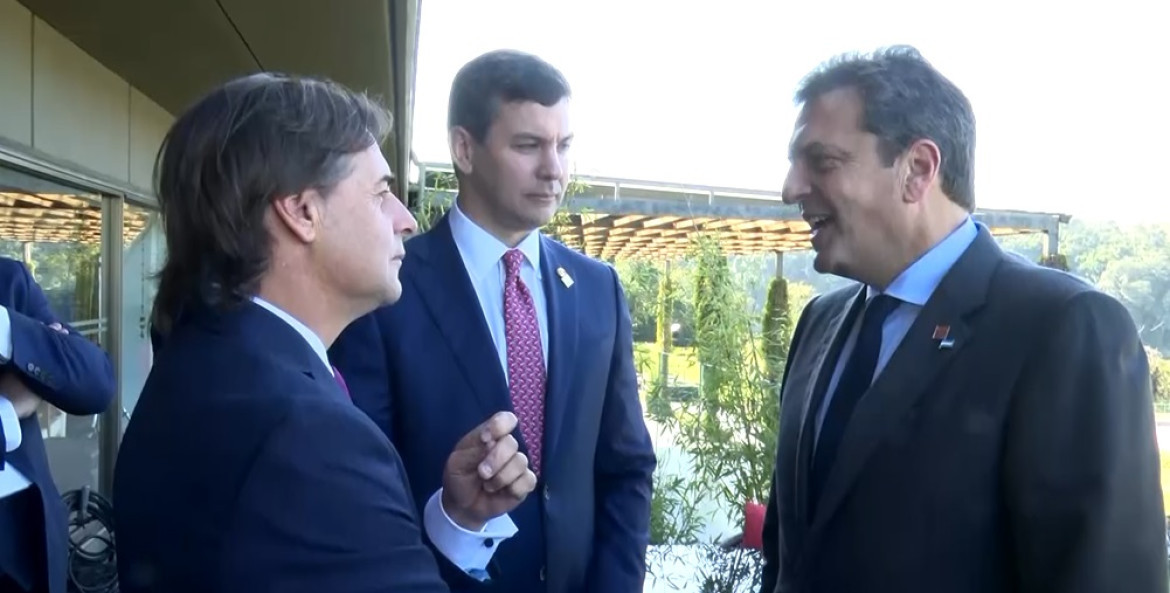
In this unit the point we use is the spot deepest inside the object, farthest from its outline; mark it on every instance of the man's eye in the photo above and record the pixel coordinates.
(823, 164)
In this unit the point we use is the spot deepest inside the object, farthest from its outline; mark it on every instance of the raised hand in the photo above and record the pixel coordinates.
(486, 475)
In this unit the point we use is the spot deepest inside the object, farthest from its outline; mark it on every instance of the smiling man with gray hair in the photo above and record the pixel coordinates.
(957, 420)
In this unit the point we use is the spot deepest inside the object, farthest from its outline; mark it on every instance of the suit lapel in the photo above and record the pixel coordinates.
(825, 357)
(450, 299)
(912, 369)
(562, 342)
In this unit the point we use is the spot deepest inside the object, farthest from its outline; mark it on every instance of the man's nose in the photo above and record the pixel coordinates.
(403, 220)
(552, 165)
(796, 187)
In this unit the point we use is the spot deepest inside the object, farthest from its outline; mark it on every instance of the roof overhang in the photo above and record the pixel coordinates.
(174, 51)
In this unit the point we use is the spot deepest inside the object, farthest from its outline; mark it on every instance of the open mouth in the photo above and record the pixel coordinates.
(818, 222)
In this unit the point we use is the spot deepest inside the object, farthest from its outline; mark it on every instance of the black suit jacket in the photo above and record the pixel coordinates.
(245, 468)
(1022, 459)
(66, 370)
(427, 372)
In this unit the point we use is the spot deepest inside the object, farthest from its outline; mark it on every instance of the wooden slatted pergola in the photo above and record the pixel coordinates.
(611, 218)
(59, 218)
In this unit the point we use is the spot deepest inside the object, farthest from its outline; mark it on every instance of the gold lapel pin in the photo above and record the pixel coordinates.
(565, 278)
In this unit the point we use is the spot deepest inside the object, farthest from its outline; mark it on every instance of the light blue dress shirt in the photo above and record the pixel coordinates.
(913, 287)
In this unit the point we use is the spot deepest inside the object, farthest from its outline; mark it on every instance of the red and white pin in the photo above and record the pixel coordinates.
(942, 335)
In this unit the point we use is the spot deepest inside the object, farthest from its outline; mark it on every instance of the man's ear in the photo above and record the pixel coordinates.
(462, 148)
(922, 161)
(300, 214)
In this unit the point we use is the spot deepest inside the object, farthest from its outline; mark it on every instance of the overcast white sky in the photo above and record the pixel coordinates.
(701, 92)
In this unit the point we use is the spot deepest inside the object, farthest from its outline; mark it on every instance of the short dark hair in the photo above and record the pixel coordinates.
(498, 77)
(905, 100)
(244, 144)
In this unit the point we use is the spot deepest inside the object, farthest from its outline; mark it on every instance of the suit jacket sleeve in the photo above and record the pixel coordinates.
(326, 507)
(1081, 461)
(66, 370)
(362, 355)
(624, 470)
(771, 530)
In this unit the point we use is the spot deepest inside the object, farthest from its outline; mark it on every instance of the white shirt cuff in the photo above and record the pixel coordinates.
(12, 434)
(469, 550)
(5, 335)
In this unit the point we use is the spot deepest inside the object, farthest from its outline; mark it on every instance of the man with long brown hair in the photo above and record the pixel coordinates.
(246, 466)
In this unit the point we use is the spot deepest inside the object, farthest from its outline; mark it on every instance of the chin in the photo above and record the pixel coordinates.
(825, 263)
(393, 293)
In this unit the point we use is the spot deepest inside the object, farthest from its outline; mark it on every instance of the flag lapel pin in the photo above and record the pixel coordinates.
(942, 335)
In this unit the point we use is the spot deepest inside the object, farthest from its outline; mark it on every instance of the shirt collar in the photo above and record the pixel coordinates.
(481, 251)
(917, 283)
(311, 337)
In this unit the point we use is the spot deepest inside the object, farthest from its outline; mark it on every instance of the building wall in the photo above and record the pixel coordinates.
(59, 100)
(60, 104)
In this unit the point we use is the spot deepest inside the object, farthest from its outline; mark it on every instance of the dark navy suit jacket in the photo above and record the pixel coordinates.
(245, 468)
(426, 370)
(1020, 457)
(65, 370)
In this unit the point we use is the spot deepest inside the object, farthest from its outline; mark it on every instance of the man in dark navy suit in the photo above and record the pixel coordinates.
(41, 360)
(956, 419)
(246, 467)
(495, 316)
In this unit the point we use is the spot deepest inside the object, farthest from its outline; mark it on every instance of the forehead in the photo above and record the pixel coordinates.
(530, 117)
(833, 118)
(370, 165)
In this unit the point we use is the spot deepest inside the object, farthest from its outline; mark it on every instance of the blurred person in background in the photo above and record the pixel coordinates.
(40, 360)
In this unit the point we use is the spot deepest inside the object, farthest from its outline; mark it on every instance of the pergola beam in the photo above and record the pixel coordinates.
(661, 222)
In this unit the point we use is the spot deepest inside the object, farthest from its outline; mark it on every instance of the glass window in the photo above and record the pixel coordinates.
(56, 230)
(143, 247)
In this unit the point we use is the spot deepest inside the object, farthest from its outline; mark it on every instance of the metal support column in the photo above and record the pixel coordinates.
(111, 419)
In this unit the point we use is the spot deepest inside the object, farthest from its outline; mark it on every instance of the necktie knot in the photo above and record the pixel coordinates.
(513, 259)
(879, 308)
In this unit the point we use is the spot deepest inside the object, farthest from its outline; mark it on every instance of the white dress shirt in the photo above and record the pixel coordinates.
(465, 549)
(11, 480)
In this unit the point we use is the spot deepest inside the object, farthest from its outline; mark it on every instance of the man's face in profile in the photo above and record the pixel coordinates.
(846, 194)
(363, 231)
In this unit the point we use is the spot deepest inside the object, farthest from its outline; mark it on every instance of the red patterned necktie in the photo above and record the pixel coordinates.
(525, 359)
(341, 381)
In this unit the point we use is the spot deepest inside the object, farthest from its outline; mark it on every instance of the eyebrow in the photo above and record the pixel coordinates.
(536, 138)
(388, 179)
(817, 149)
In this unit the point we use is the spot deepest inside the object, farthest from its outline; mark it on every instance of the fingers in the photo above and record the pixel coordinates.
(58, 327)
(500, 425)
(498, 456)
(474, 449)
(493, 429)
(513, 478)
(524, 485)
(505, 468)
